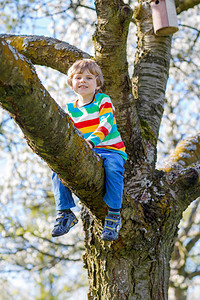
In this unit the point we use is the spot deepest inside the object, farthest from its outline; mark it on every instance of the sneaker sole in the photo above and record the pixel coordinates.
(109, 239)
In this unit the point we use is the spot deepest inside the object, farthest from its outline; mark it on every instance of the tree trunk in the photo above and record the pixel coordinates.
(125, 271)
(136, 266)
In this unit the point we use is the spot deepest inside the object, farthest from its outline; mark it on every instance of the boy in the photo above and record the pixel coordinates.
(93, 114)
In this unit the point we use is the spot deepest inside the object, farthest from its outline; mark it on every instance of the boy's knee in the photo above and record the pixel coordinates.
(114, 166)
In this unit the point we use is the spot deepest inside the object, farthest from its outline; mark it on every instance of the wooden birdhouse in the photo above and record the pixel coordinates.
(164, 17)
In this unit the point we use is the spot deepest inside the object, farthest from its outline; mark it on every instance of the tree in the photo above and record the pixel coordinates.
(185, 258)
(137, 264)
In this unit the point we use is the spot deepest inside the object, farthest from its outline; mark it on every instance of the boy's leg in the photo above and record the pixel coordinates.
(114, 169)
(63, 195)
(65, 219)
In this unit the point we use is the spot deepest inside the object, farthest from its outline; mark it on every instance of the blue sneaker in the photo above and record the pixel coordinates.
(65, 220)
(111, 228)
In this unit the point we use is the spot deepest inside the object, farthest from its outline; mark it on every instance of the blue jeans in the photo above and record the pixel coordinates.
(114, 169)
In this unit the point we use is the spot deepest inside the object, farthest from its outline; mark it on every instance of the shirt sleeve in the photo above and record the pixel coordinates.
(106, 121)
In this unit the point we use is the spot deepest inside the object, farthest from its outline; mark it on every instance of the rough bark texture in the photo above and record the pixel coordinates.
(136, 266)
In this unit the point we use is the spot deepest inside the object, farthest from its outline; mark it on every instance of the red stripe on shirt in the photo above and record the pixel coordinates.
(105, 105)
(87, 123)
(104, 130)
(118, 145)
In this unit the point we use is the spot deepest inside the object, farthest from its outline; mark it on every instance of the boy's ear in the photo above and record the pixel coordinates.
(69, 82)
(70, 85)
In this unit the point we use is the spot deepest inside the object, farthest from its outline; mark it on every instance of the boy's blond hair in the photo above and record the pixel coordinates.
(85, 65)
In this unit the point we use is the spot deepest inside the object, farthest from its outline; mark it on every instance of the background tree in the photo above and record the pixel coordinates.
(144, 140)
(185, 258)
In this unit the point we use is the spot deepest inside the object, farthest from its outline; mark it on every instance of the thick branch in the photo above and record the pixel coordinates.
(110, 41)
(186, 178)
(182, 170)
(60, 55)
(48, 130)
(149, 80)
(184, 185)
(151, 71)
(186, 153)
(46, 51)
(186, 4)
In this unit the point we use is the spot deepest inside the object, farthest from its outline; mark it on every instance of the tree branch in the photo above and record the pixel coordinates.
(191, 220)
(182, 170)
(185, 178)
(193, 274)
(110, 41)
(186, 4)
(186, 153)
(192, 242)
(151, 68)
(48, 130)
(46, 51)
(59, 55)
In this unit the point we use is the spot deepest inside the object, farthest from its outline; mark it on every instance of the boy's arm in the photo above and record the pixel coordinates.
(106, 119)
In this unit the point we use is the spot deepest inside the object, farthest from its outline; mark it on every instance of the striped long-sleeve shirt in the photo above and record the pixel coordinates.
(97, 123)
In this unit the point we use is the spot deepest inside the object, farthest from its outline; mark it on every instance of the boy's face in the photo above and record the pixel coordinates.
(85, 84)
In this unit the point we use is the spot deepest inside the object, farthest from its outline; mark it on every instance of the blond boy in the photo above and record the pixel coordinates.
(93, 114)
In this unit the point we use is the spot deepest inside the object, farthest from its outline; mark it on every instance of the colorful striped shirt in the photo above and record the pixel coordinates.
(97, 123)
